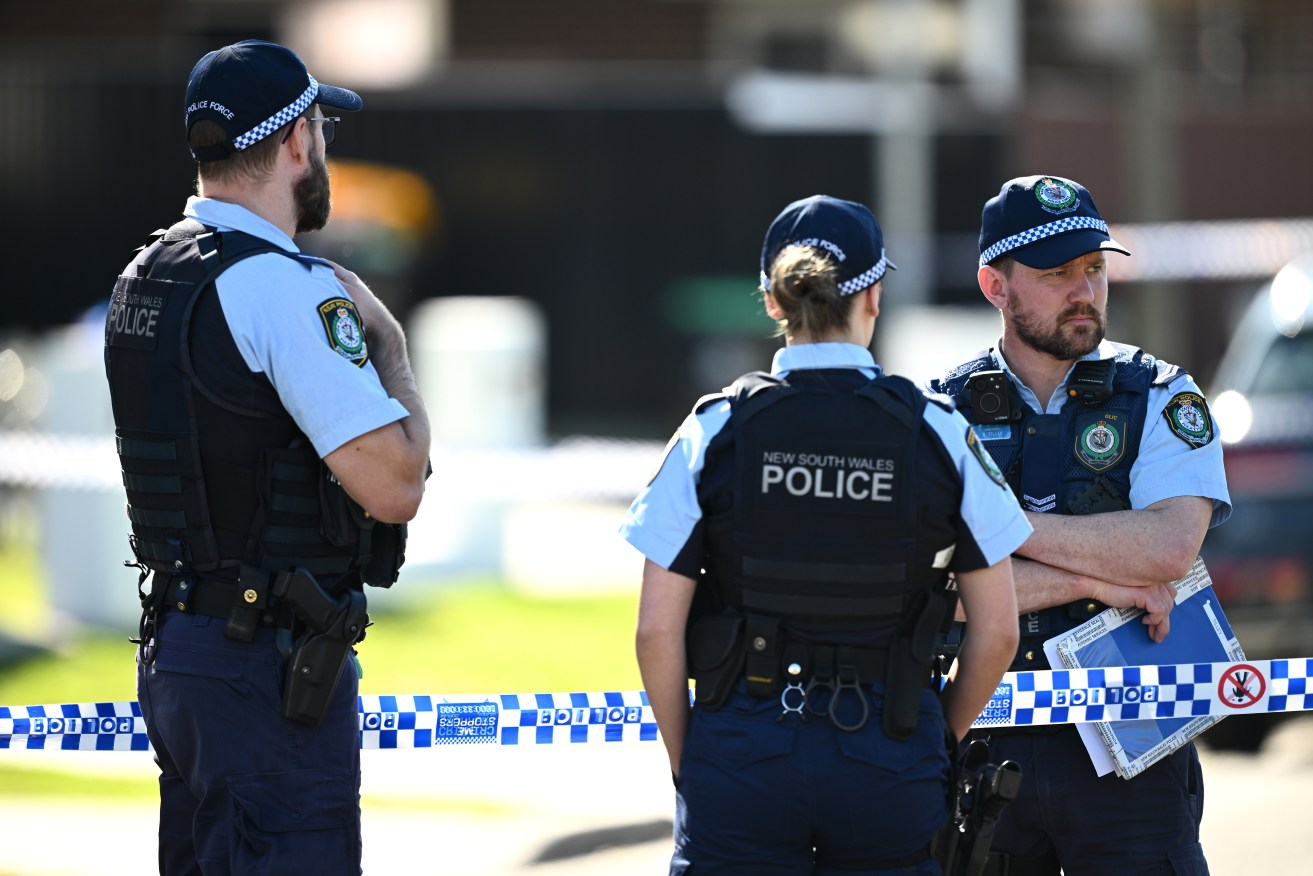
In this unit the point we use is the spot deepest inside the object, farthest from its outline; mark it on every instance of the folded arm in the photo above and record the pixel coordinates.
(384, 470)
(1138, 548)
(1043, 586)
(1125, 559)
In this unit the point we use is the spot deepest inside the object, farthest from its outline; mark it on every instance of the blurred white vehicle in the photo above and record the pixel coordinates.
(1261, 560)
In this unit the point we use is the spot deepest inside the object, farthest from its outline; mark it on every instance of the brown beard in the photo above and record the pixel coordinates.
(1057, 342)
(312, 197)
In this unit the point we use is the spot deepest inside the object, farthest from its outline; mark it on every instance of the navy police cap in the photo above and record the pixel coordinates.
(848, 231)
(1043, 222)
(251, 89)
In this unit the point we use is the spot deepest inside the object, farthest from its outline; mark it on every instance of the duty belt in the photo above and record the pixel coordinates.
(816, 677)
(215, 597)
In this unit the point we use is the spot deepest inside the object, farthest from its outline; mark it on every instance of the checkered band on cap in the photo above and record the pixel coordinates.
(866, 278)
(1039, 232)
(856, 284)
(278, 119)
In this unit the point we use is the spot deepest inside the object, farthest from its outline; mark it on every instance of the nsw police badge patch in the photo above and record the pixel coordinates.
(1187, 414)
(1100, 439)
(345, 334)
(986, 461)
(1055, 196)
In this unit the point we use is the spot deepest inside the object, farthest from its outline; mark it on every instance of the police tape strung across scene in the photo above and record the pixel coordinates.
(1068, 696)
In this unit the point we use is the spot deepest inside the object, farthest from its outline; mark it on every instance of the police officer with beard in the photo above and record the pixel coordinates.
(1115, 459)
(799, 538)
(272, 443)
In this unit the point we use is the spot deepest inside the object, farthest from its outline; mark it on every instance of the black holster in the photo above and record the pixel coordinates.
(982, 790)
(715, 657)
(315, 657)
(911, 661)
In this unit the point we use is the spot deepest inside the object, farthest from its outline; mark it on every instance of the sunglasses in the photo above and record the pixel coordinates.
(330, 128)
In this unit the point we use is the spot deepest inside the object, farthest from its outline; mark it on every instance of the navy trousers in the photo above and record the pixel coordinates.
(1093, 825)
(242, 789)
(759, 796)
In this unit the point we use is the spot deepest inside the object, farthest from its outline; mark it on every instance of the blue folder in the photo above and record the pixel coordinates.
(1200, 633)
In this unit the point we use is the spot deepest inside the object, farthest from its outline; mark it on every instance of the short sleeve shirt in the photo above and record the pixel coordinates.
(275, 310)
(665, 521)
(1167, 465)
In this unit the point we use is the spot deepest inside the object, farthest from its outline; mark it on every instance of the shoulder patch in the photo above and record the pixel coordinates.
(345, 333)
(977, 448)
(1187, 415)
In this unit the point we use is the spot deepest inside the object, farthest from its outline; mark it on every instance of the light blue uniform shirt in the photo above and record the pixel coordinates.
(271, 304)
(1165, 466)
(665, 513)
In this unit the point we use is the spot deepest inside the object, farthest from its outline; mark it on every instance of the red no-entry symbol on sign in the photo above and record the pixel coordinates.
(1241, 686)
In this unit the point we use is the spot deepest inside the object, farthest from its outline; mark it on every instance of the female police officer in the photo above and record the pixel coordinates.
(799, 536)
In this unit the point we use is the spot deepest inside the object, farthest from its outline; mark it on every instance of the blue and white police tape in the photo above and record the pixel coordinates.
(430, 721)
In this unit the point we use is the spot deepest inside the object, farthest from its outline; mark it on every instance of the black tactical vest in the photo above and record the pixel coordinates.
(217, 472)
(1075, 462)
(821, 529)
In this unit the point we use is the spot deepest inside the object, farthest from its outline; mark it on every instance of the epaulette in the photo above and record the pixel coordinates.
(940, 399)
(982, 359)
(707, 401)
(748, 385)
(1167, 373)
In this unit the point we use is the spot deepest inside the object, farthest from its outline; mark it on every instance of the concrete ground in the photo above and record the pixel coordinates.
(593, 809)
(585, 811)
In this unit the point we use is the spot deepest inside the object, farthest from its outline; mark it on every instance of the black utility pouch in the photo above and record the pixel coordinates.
(387, 554)
(1100, 496)
(341, 518)
(715, 657)
(762, 656)
(911, 658)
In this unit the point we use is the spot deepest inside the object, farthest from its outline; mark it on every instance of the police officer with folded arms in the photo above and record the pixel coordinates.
(272, 443)
(1114, 456)
(800, 536)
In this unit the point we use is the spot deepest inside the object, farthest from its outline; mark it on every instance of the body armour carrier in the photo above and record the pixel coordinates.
(218, 475)
(814, 560)
(1074, 462)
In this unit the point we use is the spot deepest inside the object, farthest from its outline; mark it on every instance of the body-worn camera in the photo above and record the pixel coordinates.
(989, 397)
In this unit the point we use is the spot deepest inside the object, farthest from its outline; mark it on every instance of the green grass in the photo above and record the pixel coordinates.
(460, 639)
(451, 639)
(25, 781)
(20, 579)
(93, 668)
(490, 640)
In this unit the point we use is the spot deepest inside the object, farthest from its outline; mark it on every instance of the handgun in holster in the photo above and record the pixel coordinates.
(982, 789)
(333, 623)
